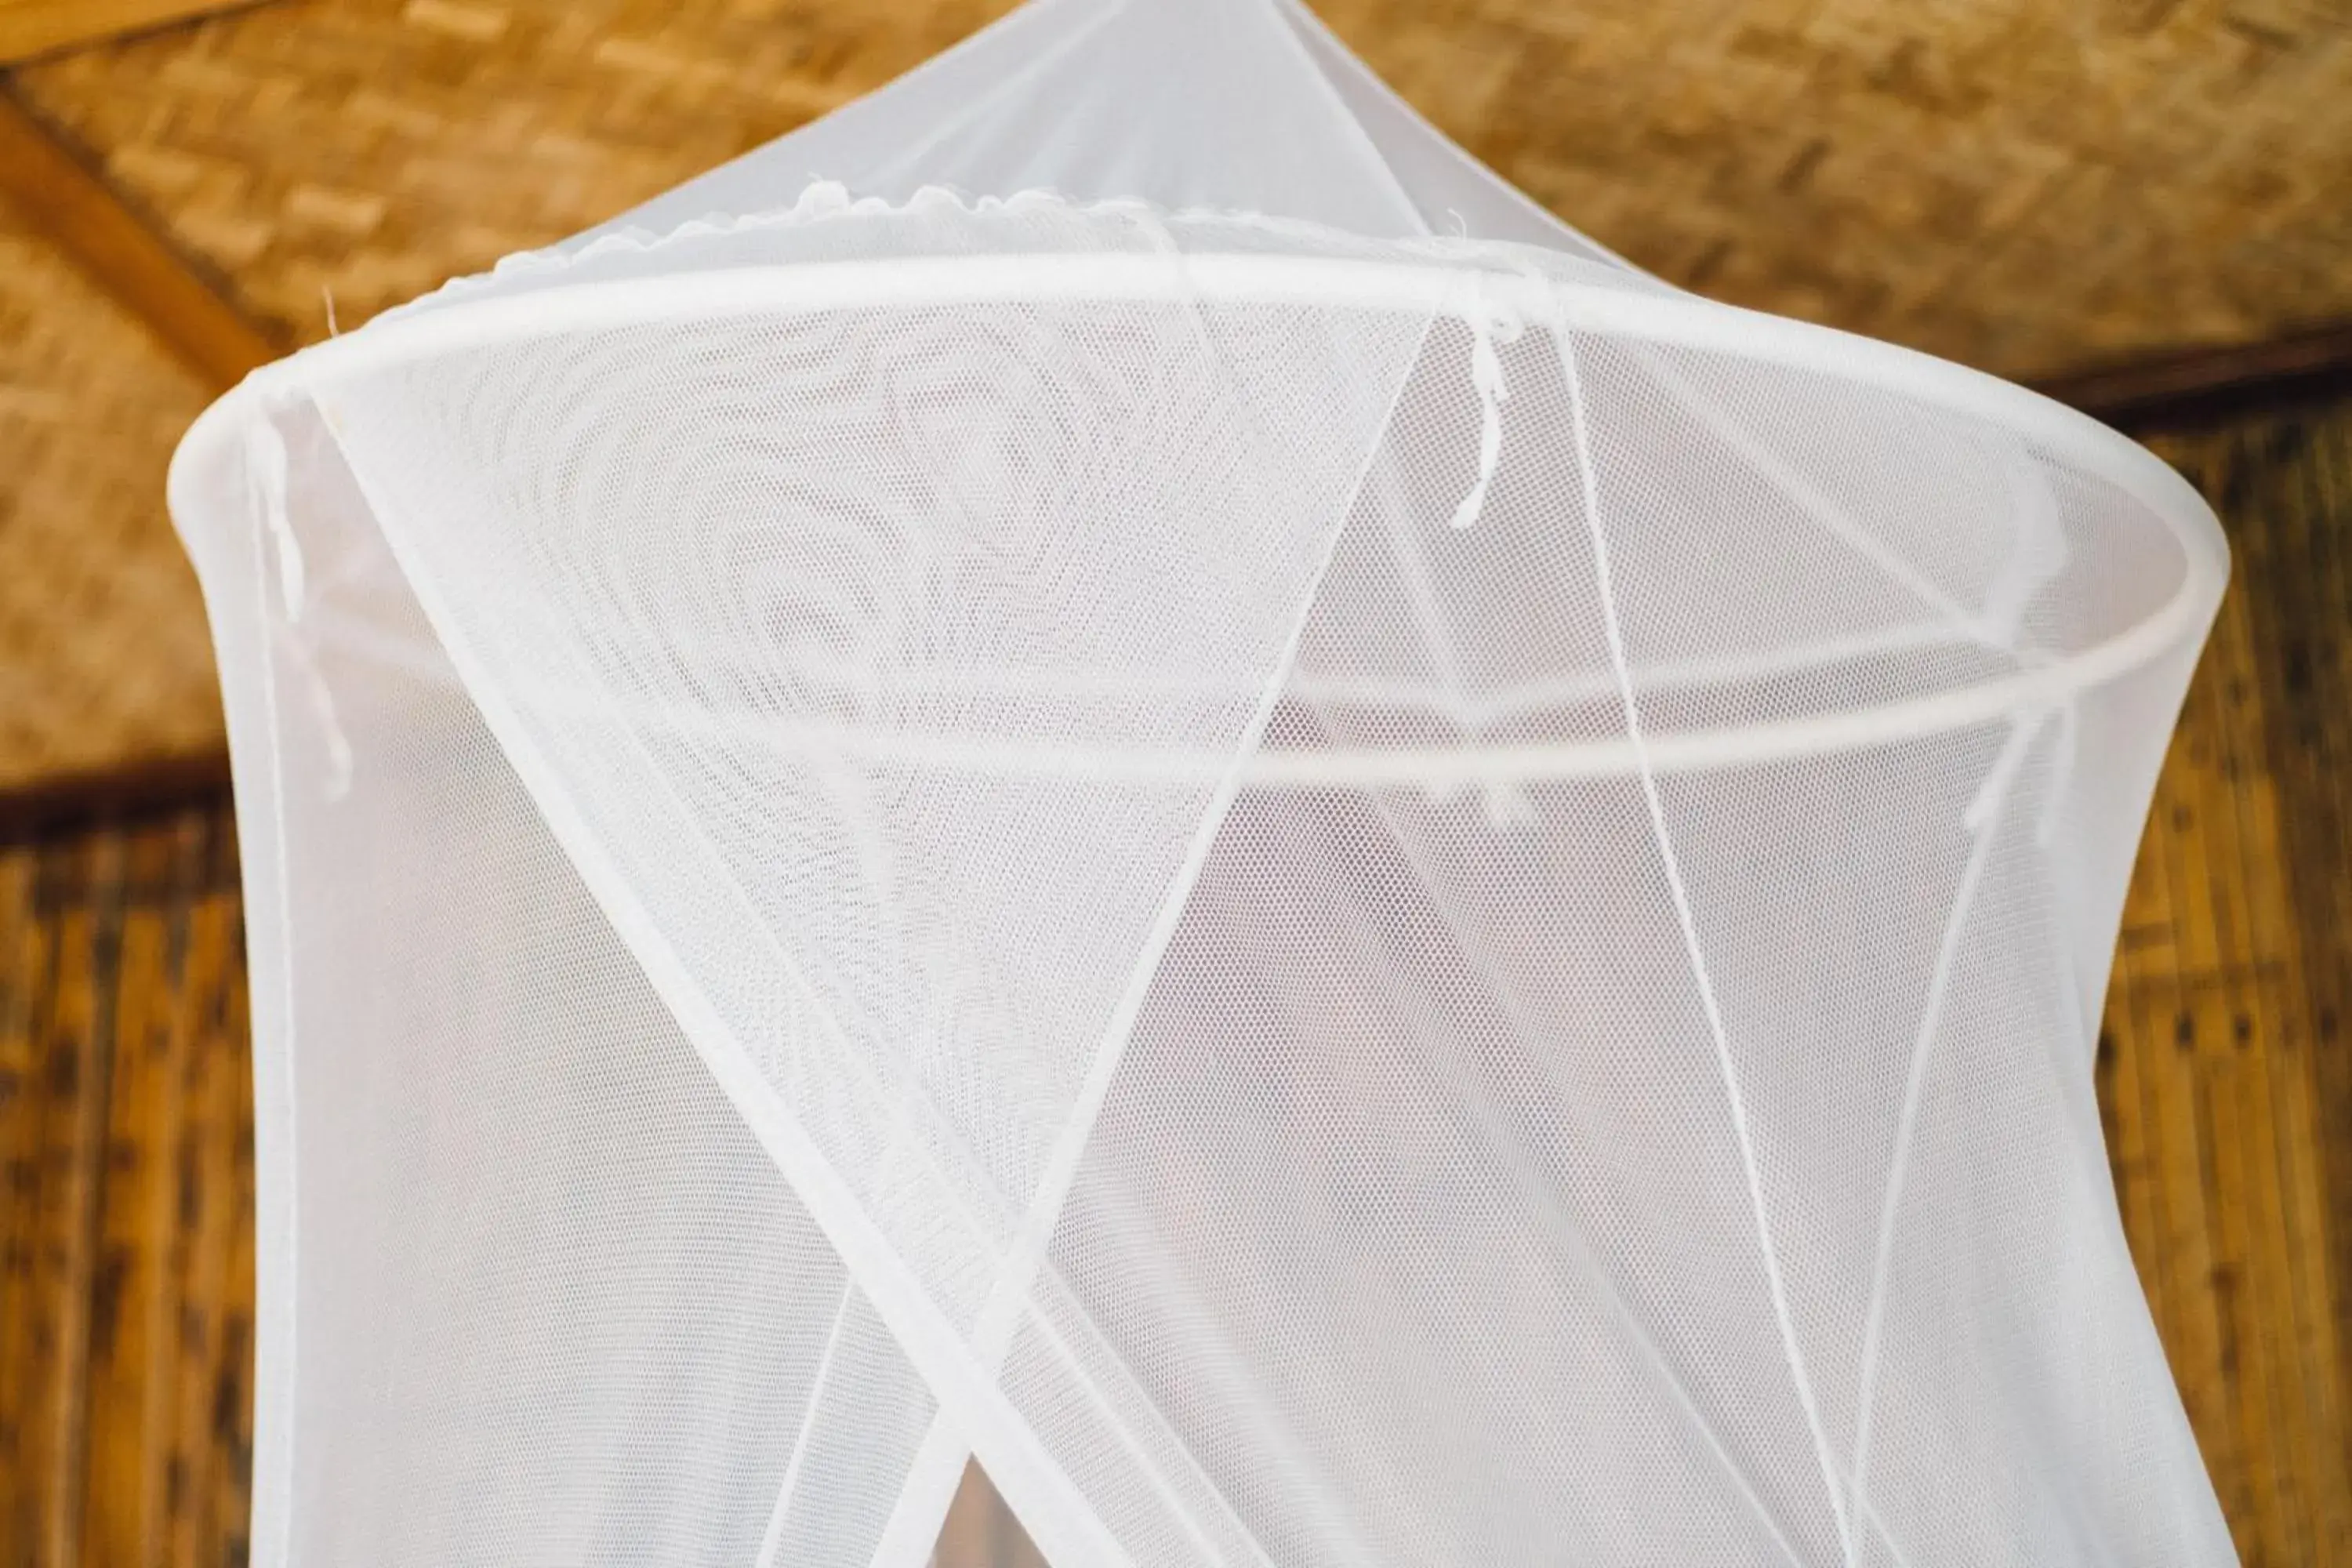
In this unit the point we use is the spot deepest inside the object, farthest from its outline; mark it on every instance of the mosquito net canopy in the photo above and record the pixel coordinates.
(1107, 766)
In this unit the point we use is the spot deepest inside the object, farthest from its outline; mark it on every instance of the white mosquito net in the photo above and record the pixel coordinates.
(1107, 766)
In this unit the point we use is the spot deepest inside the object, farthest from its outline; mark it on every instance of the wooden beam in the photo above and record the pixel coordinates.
(30, 27)
(2193, 386)
(69, 803)
(60, 190)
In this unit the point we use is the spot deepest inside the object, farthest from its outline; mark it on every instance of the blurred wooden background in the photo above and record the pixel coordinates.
(188, 186)
(2225, 1078)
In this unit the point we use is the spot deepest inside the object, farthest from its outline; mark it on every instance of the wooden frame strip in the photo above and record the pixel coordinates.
(33, 27)
(65, 196)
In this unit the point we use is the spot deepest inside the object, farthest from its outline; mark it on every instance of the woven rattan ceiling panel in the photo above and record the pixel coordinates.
(103, 655)
(2023, 185)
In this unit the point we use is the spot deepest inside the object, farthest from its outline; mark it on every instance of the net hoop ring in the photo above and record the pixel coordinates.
(1434, 288)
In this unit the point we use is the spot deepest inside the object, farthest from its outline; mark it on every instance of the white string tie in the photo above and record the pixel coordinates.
(1488, 323)
(265, 472)
(265, 469)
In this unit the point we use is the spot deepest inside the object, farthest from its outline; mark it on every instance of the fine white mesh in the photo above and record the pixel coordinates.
(1217, 818)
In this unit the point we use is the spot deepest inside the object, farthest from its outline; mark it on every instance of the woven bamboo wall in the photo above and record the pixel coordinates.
(2024, 187)
(2019, 186)
(2224, 1077)
(103, 657)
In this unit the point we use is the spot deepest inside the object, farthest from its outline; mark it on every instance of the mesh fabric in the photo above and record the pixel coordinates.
(1218, 817)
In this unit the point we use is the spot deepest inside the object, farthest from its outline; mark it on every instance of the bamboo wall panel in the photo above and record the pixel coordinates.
(126, 1211)
(2224, 1081)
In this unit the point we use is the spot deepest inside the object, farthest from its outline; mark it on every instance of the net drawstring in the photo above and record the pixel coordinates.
(1489, 322)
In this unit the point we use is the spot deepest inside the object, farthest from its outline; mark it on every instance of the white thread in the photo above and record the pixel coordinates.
(1508, 805)
(1487, 322)
(265, 471)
